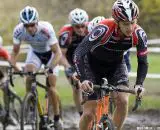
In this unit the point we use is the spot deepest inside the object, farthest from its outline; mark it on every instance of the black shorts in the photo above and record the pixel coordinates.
(115, 73)
(44, 57)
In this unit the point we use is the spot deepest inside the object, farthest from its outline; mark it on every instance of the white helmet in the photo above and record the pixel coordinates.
(78, 16)
(95, 22)
(29, 15)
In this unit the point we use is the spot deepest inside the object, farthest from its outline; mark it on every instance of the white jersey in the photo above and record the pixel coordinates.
(41, 41)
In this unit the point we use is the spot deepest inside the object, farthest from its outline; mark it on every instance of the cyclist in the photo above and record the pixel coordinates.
(4, 56)
(44, 50)
(101, 55)
(94, 22)
(69, 38)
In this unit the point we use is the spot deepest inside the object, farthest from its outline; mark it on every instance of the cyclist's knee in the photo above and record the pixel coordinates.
(122, 99)
(89, 110)
(30, 68)
(88, 116)
(52, 89)
(52, 80)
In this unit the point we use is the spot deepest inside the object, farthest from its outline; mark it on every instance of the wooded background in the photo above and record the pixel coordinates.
(56, 12)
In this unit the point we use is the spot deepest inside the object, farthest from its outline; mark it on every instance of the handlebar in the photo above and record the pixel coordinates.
(21, 73)
(110, 88)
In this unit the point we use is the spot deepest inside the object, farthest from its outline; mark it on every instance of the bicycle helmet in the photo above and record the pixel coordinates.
(125, 10)
(29, 15)
(78, 16)
(95, 22)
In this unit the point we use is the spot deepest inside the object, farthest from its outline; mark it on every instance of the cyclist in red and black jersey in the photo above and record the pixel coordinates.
(69, 38)
(101, 55)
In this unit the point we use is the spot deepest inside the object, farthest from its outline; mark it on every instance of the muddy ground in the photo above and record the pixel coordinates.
(147, 120)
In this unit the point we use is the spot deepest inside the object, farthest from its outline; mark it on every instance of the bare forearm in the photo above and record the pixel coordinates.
(57, 58)
(14, 57)
(14, 54)
(63, 61)
(57, 54)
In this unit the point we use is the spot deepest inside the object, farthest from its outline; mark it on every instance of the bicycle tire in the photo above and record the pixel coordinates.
(15, 106)
(108, 124)
(111, 106)
(29, 102)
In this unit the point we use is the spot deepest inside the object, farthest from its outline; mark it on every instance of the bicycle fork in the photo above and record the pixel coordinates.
(102, 112)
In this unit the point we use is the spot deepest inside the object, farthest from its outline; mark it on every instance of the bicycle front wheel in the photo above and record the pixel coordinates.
(15, 105)
(106, 123)
(29, 113)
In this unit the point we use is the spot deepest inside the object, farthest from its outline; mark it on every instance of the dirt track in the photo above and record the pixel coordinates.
(148, 120)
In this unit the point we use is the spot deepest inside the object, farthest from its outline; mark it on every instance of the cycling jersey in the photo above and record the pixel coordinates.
(41, 41)
(4, 54)
(70, 40)
(106, 48)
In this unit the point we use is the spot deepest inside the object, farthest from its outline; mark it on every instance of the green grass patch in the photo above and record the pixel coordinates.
(153, 60)
(148, 102)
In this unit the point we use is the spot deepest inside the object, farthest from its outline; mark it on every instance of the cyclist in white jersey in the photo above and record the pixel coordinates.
(44, 49)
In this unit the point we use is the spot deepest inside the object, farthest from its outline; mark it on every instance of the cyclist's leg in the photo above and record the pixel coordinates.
(33, 63)
(121, 109)
(89, 111)
(53, 94)
(120, 78)
(52, 78)
(77, 97)
(55, 100)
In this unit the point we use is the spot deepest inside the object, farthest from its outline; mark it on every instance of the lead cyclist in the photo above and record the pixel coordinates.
(44, 49)
(100, 55)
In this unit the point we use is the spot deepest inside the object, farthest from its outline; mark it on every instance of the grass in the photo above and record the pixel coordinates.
(148, 102)
(153, 60)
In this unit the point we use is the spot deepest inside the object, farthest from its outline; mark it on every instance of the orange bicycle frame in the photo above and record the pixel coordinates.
(102, 107)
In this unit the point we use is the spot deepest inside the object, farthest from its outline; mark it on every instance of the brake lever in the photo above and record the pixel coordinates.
(10, 76)
(137, 101)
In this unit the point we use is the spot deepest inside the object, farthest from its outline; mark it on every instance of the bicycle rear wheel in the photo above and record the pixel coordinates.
(29, 113)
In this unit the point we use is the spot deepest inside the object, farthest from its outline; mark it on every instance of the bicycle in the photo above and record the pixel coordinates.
(102, 119)
(32, 108)
(12, 102)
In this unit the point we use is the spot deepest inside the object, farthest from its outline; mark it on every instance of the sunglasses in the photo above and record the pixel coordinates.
(80, 26)
(29, 25)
